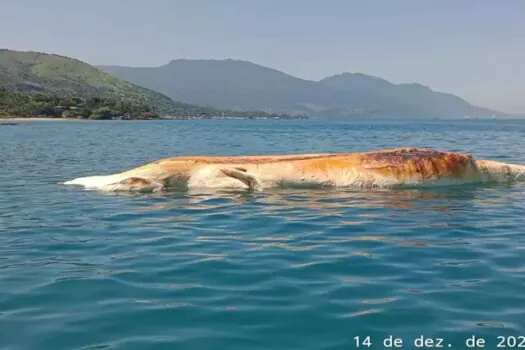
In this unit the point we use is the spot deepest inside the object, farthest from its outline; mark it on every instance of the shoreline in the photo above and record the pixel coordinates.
(19, 119)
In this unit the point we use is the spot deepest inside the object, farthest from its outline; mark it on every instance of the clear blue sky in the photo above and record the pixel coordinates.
(473, 48)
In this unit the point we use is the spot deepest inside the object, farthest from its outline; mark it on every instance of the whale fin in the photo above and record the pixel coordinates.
(240, 174)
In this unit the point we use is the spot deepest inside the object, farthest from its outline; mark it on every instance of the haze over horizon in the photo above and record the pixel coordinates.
(470, 48)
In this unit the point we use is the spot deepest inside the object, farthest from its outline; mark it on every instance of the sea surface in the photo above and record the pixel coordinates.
(282, 269)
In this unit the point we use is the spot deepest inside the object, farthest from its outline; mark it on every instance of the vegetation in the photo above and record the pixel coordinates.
(35, 84)
(39, 105)
(65, 77)
(23, 104)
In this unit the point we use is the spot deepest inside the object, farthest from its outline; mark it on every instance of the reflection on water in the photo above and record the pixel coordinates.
(321, 208)
(328, 201)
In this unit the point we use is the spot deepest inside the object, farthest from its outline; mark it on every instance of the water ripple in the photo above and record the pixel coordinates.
(284, 269)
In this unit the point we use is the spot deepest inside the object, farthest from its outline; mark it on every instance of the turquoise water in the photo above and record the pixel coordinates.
(282, 269)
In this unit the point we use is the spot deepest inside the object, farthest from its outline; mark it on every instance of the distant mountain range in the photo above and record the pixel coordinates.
(242, 85)
(228, 88)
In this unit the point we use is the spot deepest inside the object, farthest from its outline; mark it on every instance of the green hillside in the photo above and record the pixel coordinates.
(68, 77)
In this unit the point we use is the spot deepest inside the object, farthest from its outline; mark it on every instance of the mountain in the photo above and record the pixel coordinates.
(41, 84)
(224, 84)
(244, 85)
(383, 97)
(64, 76)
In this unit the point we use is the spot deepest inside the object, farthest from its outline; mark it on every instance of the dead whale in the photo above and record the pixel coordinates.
(382, 168)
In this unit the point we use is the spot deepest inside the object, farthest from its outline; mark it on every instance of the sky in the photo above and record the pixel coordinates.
(472, 48)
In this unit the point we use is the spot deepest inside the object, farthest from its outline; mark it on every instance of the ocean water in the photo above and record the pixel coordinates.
(283, 269)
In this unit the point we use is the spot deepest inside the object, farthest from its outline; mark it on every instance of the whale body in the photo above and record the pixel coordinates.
(383, 168)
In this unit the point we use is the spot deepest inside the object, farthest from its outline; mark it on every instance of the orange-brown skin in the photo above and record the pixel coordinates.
(375, 168)
(406, 164)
